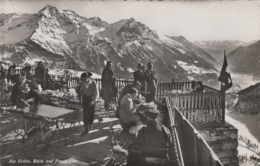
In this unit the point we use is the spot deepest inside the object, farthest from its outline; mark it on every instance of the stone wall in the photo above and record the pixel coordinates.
(223, 139)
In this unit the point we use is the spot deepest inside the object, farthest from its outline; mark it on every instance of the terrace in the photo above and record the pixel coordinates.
(183, 110)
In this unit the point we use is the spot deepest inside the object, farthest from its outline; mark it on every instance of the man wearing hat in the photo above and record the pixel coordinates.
(140, 76)
(154, 136)
(89, 94)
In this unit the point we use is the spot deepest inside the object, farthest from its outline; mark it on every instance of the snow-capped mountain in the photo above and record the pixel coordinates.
(216, 48)
(246, 59)
(63, 39)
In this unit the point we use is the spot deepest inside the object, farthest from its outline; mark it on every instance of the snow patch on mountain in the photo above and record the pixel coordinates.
(17, 15)
(169, 41)
(51, 37)
(52, 42)
(93, 30)
(130, 70)
(181, 50)
(149, 47)
(192, 69)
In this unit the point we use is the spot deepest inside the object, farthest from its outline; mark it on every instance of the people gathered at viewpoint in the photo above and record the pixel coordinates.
(138, 110)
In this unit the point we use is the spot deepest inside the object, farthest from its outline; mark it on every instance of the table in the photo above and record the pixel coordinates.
(46, 111)
(50, 113)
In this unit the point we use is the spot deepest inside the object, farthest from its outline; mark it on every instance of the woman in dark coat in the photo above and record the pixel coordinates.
(108, 91)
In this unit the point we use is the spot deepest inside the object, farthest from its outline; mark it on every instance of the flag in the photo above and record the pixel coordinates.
(224, 77)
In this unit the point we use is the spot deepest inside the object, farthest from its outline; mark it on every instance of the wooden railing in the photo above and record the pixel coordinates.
(175, 139)
(198, 108)
(189, 85)
(195, 150)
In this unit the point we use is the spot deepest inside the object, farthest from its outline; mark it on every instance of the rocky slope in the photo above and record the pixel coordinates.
(63, 39)
(246, 59)
(246, 100)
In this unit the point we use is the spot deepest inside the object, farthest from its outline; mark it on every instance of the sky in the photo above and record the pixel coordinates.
(194, 20)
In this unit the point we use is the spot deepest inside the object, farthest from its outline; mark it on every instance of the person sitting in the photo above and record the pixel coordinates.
(33, 85)
(19, 93)
(126, 89)
(153, 136)
(128, 111)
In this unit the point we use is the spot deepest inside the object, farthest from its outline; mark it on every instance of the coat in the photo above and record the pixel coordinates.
(108, 80)
(151, 80)
(141, 77)
(154, 136)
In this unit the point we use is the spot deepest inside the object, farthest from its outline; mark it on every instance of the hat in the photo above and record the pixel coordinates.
(152, 113)
(140, 65)
(89, 74)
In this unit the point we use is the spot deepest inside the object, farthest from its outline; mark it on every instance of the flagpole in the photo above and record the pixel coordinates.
(223, 105)
(223, 92)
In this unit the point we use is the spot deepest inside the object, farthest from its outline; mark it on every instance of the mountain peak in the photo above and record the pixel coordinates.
(95, 18)
(48, 9)
(96, 21)
(132, 19)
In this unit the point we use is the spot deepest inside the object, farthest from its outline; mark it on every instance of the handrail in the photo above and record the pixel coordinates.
(195, 150)
(174, 133)
(199, 143)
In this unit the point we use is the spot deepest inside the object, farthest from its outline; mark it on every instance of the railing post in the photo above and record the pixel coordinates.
(172, 84)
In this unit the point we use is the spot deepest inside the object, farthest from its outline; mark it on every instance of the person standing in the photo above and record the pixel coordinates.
(89, 94)
(140, 76)
(108, 85)
(2, 81)
(151, 80)
(40, 74)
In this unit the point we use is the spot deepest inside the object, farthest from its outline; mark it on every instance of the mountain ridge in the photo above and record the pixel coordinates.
(82, 43)
(216, 48)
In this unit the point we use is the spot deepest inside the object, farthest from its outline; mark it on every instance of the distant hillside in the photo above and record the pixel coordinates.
(245, 59)
(247, 100)
(216, 48)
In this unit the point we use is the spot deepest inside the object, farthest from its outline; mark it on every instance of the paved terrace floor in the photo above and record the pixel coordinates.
(91, 149)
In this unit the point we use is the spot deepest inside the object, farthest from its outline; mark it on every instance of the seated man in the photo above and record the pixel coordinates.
(125, 90)
(18, 93)
(154, 136)
(127, 111)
